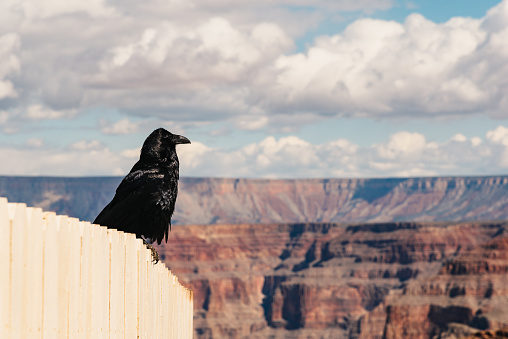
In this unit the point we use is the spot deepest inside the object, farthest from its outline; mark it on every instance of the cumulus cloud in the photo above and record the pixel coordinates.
(17, 118)
(403, 154)
(39, 112)
(383, 68)
(131, 153)
(403, 144)
(122, 126)
(33, 9)
(81, 159)
(190, 62)
(35, 142)
(9, 64)
(86, 145)
(498, 136)
(213, 53)
(375, 68)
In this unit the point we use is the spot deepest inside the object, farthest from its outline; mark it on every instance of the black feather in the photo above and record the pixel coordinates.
(145, 199)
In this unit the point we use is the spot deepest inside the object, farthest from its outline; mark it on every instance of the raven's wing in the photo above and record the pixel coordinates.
(143, 204)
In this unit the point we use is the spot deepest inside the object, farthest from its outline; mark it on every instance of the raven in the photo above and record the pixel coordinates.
(145, 199)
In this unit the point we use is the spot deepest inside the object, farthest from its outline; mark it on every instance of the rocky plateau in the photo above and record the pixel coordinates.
(233, 201)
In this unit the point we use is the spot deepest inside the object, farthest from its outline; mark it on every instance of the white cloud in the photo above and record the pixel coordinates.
(4, 117)
(383, 68)
(9, 64)
(33, 9)
(35, 142)
(402, 154)
(123, 126)
(498, 136)
(212, 53)
(375, 68)
(86, 145)
(131, 153)
(191, 154)
(476, 141)
(72, 161)
(38, 112)
(402, 144)
(459, 138)
(17, 118)
(202, 61)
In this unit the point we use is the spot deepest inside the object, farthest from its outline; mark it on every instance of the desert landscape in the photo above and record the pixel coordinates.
(325, 258)
(322, 280)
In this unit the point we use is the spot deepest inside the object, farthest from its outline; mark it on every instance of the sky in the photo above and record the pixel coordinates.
(263, 89)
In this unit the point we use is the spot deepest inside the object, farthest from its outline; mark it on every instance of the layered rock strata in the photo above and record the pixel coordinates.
(227, 201)
(325, 280)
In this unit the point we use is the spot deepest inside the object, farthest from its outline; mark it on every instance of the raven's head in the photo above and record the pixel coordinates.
(161, 144)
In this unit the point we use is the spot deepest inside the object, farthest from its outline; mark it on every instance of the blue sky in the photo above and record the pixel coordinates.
(275, 88)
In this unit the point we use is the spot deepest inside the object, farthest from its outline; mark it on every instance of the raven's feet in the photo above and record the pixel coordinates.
(155, 255)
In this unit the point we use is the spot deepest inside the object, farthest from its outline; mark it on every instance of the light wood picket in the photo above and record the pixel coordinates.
(65, 278)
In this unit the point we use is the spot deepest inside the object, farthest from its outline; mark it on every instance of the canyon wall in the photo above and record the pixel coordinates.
(231, 201)
(324, 258)
(328, 280)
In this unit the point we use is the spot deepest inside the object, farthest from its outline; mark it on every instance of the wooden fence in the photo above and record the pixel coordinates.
(65, 278)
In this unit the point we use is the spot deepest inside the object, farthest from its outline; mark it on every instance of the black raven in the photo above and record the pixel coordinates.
(145, 199)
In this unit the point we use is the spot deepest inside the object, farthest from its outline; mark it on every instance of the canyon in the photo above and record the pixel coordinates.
(324, 258)
(348, 280)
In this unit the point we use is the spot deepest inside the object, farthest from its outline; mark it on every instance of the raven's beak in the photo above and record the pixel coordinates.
(180, 139)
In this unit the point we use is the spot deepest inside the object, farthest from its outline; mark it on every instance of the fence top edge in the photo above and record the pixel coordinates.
(51, 218)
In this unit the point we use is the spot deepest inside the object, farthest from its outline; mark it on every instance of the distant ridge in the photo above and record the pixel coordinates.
(226, 201)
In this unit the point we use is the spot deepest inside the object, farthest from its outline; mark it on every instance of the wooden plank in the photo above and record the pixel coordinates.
(116, 316)
(100, 284)
(165, 303)
(5, 268)
(144, 309)
(85, 287)
(33, 274)
(51, 294)
(17, 213)
(74, 255)
(160, 302)
(64, 268)
(131, 286)
(121, 284)
(190, 314)
(152, 282)
(173, 300)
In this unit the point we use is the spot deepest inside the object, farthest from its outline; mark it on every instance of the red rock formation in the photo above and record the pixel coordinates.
(390, 280)
(226, 201)
(468, 293)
